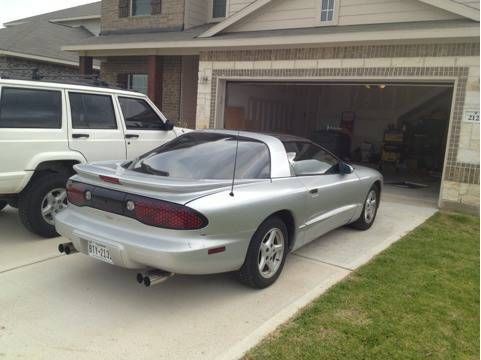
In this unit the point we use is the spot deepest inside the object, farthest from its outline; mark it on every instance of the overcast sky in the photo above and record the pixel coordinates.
(18, 9)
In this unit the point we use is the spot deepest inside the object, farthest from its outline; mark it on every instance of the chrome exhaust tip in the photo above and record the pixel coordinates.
(140, 278)
(155, 277)
(67, 249)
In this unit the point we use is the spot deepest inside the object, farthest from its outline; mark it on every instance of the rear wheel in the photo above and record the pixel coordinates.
(3, 204)
(266, 255)
(369, 212)
(41, 200)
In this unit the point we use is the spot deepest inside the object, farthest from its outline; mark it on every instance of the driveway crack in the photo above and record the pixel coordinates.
(323, 262)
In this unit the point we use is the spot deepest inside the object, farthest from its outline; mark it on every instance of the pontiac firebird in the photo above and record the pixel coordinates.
(216, 201)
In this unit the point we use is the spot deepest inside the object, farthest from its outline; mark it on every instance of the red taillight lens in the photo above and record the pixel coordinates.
(110, 179)
(167, 215)
(76, 193)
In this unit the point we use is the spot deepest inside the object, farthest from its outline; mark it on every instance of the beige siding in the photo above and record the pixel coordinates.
(195, 13)
(470, 3)
(354, 12)
(236, 5)
(286, 14)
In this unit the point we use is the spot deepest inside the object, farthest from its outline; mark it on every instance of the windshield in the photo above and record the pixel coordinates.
(207, 156)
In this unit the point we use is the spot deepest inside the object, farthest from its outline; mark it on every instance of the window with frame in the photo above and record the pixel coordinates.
(327, 10)
(30, 108)
(92, 111)
(139, 8)
(307, 158)
(139, 115)
(219, 9)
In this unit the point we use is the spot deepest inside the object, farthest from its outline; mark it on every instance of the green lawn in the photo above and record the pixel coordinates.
(417, 300)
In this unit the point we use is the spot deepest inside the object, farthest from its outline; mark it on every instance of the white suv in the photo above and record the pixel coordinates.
(46, 128)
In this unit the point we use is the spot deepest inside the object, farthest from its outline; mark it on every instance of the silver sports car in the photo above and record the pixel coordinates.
(215, 201)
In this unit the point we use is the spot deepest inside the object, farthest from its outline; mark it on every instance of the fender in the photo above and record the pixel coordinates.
(55, 156)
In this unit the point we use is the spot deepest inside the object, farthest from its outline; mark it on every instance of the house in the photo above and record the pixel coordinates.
(399, 77)
(31, 47)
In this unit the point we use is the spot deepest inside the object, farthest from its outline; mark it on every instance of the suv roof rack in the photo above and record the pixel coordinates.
(73, 79)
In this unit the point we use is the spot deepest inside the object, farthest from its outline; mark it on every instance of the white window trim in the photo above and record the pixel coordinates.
(211, 12)
(335, 15)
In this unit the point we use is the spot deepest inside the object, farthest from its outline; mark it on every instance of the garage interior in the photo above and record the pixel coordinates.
(399, 128)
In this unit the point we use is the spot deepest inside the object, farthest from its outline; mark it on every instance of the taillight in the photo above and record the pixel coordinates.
(77, 193)
(165, 215)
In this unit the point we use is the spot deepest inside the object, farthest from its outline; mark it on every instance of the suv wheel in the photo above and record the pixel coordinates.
(266, 255)
(40, 201)
(2, 205)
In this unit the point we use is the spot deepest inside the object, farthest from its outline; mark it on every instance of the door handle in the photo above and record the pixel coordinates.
(314, 191)
(80, 136)
(132, 136)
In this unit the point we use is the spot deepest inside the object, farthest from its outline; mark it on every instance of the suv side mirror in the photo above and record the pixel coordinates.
(168, 126)
(345, 168)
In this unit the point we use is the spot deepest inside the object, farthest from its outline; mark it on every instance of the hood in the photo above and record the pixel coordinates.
(180, 191)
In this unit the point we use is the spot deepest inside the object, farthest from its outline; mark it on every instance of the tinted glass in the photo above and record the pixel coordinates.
(29, 108)
(92, 111)
(219, 8)
(309, 159)
(138, 115)
(207, 156)
(141, 7)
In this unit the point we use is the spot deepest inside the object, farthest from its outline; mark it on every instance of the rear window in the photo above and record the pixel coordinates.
(207, 156)
(92, 111)
(30, 108)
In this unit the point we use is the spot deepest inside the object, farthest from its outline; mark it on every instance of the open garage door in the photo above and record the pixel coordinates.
(399, 128)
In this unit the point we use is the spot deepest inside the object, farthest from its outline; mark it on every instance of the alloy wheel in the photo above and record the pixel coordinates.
(271, 253)
(54, 202)
(370, 207)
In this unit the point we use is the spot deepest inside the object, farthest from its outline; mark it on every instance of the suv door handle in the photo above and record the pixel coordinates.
(132, 136)
(80, 136)
(314, 191)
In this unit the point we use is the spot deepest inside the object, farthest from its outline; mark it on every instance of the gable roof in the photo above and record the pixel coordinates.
(88, 10)
(458, 7)
(39, 38)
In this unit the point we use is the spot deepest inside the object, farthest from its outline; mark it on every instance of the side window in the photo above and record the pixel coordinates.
(309, 159)
(90, 111)
(138, 115)
(219, 9)
(30, 108)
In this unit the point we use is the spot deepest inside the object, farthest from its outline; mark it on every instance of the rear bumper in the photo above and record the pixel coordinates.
(137, 246)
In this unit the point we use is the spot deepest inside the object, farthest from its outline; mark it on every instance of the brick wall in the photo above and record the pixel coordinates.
(172, 17)
(47, 70)
(171, 82)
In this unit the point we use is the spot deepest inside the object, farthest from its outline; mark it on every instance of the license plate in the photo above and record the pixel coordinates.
(99, 252)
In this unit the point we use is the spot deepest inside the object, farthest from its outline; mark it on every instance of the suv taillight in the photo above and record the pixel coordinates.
(165, 215)
(76, 193)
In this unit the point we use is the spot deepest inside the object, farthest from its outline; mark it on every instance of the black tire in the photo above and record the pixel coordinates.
(365, 223)
(249, 274)
(3, 204)
(30, 203)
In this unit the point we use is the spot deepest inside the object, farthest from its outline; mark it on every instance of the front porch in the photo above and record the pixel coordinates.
(169, 81)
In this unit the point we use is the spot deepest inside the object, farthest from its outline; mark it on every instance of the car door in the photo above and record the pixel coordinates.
(94, 128)
(145, 127)
(332, 197)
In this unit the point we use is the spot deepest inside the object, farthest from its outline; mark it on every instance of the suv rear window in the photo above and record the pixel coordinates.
(91, 111)
(30, 108)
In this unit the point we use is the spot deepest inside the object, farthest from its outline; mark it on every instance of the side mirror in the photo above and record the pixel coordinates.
(345, 169)
(168, 126)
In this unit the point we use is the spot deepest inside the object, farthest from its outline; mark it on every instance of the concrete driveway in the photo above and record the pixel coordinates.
(58, 307)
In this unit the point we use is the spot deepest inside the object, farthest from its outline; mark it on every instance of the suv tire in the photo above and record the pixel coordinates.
(260, 246)
(34, 197)
(2, 205)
